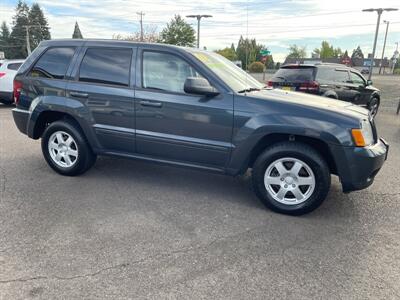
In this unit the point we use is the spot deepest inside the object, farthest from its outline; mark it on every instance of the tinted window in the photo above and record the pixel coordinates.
(356, 79)
(294, 74)
(106, 66)
(53, 63)
(325, 74)
(341, 76)
(14, 67)
(166, 72)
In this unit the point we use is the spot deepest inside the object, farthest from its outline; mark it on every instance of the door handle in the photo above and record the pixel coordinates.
(79, 95)
(150, 103)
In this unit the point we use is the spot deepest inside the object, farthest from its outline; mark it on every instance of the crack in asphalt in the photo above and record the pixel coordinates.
(124, 265)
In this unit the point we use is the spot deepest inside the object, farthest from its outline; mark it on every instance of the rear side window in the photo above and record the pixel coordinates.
(341, 76)
(53, 63)
(106, 66)
(325, 74)
(295, 74)
(14, 66)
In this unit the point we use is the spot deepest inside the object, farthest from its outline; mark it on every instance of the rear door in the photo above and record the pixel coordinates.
(103, 83)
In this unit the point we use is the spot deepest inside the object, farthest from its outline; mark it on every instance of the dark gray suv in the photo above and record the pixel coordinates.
(191, 108)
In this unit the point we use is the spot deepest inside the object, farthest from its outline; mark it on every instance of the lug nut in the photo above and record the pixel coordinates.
(282, 179)
(293, 185)
(285, 185)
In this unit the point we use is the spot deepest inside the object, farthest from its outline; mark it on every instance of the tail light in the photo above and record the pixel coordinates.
(2, 74)
(17, 90)
(270, 83)
(311, 86)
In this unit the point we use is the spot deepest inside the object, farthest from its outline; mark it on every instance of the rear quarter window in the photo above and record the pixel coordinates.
(294, 74)
(14, 66)
(53, 63)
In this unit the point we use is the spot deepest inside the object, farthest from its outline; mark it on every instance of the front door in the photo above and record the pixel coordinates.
(176, 126)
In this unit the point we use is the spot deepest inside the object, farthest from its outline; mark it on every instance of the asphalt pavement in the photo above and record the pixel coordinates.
(130, 229)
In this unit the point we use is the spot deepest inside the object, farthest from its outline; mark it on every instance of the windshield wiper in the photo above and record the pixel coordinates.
(248, 90)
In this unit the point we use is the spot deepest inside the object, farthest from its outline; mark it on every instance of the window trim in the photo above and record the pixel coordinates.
(141, 87)
(28, 72)
(78, 73)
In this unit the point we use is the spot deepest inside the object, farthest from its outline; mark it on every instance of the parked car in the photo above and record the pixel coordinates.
(365, 71)
(8, 69)
(191, 108)
(329, 80)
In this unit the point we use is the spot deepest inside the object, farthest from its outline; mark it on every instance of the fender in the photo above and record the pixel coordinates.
(75, 109)
(255, 129)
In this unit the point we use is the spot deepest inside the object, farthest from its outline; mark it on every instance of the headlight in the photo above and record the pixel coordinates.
(363, 137)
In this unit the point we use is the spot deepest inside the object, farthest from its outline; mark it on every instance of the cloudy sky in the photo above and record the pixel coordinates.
(277, 24)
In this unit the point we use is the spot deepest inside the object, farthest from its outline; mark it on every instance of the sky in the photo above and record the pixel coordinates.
(276, 24)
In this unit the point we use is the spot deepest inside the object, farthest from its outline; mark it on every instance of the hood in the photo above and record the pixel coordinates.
(308, 100)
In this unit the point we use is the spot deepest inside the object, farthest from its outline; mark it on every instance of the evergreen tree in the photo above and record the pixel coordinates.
(248, 51)
(18, 33)
(5, 39)
(178, 32)
(77, 32)
(357, 53)
(39, 29)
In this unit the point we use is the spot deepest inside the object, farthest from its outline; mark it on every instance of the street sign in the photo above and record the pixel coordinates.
(265, 52)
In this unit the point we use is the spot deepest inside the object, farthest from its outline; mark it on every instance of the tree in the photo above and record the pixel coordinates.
(227, 53)
(39, 29)
(296, 52)
(248, 51)
(150, 35)
(256, 67)
(5, 39)
(327, 51)
(178, 32)
(357, 57)
(77, 32)
(269, 63)
(18, 33)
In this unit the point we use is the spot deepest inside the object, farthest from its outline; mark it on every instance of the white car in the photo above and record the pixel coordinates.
(8, 70)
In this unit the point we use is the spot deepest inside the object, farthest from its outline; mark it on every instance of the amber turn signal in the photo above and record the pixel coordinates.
(358, 137)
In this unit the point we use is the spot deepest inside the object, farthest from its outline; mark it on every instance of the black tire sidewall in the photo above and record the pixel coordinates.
(376, 100)
(85, 156)
(303, 153)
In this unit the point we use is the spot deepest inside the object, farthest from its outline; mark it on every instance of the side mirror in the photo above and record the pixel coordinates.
(369, 82)
(199, 86)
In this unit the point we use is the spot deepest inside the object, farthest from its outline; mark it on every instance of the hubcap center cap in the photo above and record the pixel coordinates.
(289, 180)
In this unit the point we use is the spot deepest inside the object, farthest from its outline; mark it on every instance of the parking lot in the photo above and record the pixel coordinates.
(129, 229)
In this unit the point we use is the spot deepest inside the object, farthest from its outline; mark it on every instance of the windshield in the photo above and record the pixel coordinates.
(232, 75)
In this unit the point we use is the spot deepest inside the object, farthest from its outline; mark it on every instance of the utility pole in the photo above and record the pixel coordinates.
(28, 43)
(198, 17)
(395, 57)
(141, 14)
(384, 44)
(379, 11)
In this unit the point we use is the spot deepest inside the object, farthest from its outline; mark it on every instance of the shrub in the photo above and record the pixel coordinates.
(396, 71)
(256, 67)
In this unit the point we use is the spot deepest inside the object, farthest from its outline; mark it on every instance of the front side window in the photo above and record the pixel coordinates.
(167, 72)
(106, 66)
(341, 76)
(357, 79)
(53, 63)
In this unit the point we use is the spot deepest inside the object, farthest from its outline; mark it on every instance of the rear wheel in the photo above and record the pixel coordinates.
(65, 149)
(291, 178)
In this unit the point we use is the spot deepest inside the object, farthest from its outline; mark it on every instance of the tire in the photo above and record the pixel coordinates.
(373, 106)
(66, 149)
(302, 193)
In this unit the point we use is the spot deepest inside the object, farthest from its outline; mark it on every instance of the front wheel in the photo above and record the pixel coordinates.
(65, 148)
(291, 178)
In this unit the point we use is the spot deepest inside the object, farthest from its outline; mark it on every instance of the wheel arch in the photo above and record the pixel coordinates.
(320, 146)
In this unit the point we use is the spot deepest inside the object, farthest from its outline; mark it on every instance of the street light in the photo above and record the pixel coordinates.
(384, 44)
(379, 11)
(198, 17)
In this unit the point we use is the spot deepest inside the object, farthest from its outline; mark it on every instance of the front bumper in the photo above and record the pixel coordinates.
(21, 118)
(357, 167)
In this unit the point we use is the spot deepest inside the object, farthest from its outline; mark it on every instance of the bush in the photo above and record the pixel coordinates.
(396, 71)
(256, 67)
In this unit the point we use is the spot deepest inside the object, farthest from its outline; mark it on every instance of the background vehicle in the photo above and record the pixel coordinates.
(8, 70)
(365, 71)
(328, 80)
(192, 108)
